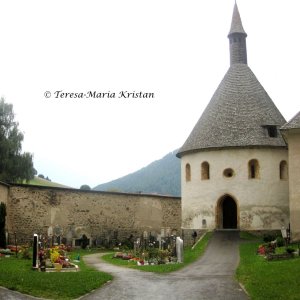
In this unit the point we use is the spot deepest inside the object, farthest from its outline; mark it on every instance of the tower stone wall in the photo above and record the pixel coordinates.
(238, 49)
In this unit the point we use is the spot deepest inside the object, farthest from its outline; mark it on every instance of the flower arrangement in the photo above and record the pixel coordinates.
(153, 256)
(52, 257)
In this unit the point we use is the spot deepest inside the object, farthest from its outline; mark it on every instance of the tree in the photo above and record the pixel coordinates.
(43, 177)
(14, 165)
(2, 225)
(85, 187)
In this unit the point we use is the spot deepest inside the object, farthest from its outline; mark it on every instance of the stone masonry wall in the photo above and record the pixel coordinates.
(101, 216)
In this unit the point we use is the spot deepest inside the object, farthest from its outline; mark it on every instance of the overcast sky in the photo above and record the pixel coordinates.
(177, 50)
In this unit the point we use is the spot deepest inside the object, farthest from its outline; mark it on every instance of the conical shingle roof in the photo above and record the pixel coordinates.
(294, 123)
(237, 115)
(240, 113)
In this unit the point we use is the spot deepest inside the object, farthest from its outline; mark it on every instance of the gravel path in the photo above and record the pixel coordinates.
(211, 277)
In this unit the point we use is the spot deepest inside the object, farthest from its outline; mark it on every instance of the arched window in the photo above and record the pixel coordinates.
(187, 172)
(205, 170)
(283, 170)
(253, 169)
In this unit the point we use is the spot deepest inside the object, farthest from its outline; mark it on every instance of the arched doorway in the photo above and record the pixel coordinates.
(227, 217)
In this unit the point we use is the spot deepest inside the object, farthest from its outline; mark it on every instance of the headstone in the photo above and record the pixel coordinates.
(50, 231)
(35, 251)
(179, 249)
(136, 246)
(164, 245)
(57, 230)
(168, 231)
(145, 236)
(159, 241)
(69, 237)
(98, 241)
(57, 240)
(284, 232)
(50, 236)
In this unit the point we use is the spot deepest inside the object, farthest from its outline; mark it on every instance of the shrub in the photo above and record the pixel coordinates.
(26, 253)
(269, 238)
(290, 250)
(280, 241)
(127, 243)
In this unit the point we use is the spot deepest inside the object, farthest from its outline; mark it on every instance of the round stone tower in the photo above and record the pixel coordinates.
(234, 163)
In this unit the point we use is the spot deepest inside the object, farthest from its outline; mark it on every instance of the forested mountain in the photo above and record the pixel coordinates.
(160, 177)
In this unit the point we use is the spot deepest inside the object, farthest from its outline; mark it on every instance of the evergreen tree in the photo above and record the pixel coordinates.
(14, 165)
(2, 225)
(85, 187)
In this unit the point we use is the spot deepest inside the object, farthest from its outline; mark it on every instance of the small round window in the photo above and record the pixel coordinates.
(228, 172)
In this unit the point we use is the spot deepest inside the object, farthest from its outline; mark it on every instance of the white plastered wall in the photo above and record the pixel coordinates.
(262, 203)
(293, 137)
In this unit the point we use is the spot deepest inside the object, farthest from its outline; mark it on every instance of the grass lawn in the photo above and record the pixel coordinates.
(16, 274)
(245, 235)
(268, 279)
(43, 182)
(189, 257)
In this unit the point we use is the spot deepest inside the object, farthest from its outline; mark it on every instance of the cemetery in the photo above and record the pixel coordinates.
(160, 253)
(155, 252)
(49, 256)
(280, 247)
(17, 273)
(31, 276)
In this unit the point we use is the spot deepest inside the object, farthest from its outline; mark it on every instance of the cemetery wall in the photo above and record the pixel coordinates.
(104, 217)
(4, 188)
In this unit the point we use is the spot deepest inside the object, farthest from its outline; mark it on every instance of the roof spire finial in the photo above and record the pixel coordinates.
(236, 23)
(237, 38)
